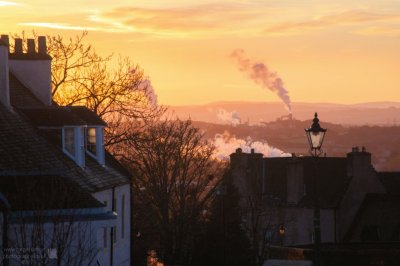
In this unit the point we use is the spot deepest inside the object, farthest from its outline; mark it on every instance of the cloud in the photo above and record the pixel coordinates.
(67, 26)
(6, 3)
(345, 18)
(380, 31)
(199, 19)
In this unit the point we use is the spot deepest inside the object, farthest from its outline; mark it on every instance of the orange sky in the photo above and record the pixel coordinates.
(342, 51)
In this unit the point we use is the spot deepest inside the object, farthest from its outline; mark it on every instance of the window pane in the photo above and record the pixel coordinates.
(91, 140)
(69, 140)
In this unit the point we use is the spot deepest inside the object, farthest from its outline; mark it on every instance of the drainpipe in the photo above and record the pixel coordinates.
(112, 229)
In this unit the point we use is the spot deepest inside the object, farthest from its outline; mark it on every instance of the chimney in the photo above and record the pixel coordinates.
(4, 78)
(31, 46)
(18, 46)
(42, 45)
(33, 69)
(294, 181)
(358, 161)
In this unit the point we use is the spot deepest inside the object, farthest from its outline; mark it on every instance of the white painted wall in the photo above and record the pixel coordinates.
(35, 75)
(122, 247)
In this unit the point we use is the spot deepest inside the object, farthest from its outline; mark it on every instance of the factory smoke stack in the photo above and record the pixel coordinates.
(260, 73)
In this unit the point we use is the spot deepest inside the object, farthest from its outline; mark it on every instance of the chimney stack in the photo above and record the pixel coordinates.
(4, 72)
(6, 41)
(31, 46)
(18, 46)
(33, 68)
(42, 45)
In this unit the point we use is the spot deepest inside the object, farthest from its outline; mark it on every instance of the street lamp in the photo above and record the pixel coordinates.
(315, 137)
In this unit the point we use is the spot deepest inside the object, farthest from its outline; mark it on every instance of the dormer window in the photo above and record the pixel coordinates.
(72, 143)
(95, 143)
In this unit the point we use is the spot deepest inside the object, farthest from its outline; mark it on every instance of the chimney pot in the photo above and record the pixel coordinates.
(18, 46)
(6, 40)
(238, 150)
(42, 45)
(31, 46)
(252, 151)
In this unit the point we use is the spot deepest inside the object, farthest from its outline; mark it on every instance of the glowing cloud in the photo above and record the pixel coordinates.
(6, 3)
(345, 18)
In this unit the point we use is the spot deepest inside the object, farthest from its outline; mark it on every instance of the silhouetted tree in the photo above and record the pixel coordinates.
(224, 241)
(174, 183)
(121, 95)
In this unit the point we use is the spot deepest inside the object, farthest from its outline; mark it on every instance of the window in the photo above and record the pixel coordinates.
(69, 140)
(91, 140)
(123, 217)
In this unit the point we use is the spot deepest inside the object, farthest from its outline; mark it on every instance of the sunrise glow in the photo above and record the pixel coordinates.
(323, 51)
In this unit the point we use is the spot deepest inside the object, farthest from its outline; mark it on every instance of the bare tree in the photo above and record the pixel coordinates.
(175, 180)
(120, 95)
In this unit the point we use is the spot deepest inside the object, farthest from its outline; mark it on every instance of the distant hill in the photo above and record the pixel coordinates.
(254, 113)
(289, 137)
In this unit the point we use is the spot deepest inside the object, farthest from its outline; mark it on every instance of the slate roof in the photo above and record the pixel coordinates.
(391, 181)
(26, 150)
(45, 192)
(384, 208)
(58, 116)
(52, 116)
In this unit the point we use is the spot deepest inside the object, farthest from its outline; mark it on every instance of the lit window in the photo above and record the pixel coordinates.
(91, 140)
(69, 140)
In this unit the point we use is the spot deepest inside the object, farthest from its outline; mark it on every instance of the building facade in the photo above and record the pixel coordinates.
(357, 203)
(63, 198)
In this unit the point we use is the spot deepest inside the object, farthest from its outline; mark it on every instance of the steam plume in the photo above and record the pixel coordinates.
(260, 73)
(226, 144)
(230, 117)
(150, 93)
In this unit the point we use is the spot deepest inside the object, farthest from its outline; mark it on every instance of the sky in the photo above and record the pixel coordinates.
(341, 51)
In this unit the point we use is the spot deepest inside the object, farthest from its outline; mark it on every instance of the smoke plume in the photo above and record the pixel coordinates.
(230, 117)
(149, 92)
(262, 75)
(226, 144)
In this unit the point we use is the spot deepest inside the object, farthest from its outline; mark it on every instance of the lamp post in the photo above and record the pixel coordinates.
(315, 136)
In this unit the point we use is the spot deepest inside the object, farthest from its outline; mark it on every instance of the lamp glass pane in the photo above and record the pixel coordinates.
(316, 139)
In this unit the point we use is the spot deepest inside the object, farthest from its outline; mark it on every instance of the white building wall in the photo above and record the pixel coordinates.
(35, 75)
(47, 247)
(121, 246)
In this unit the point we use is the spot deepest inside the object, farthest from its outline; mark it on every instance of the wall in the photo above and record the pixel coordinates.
(364, 180)
(122, 247)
